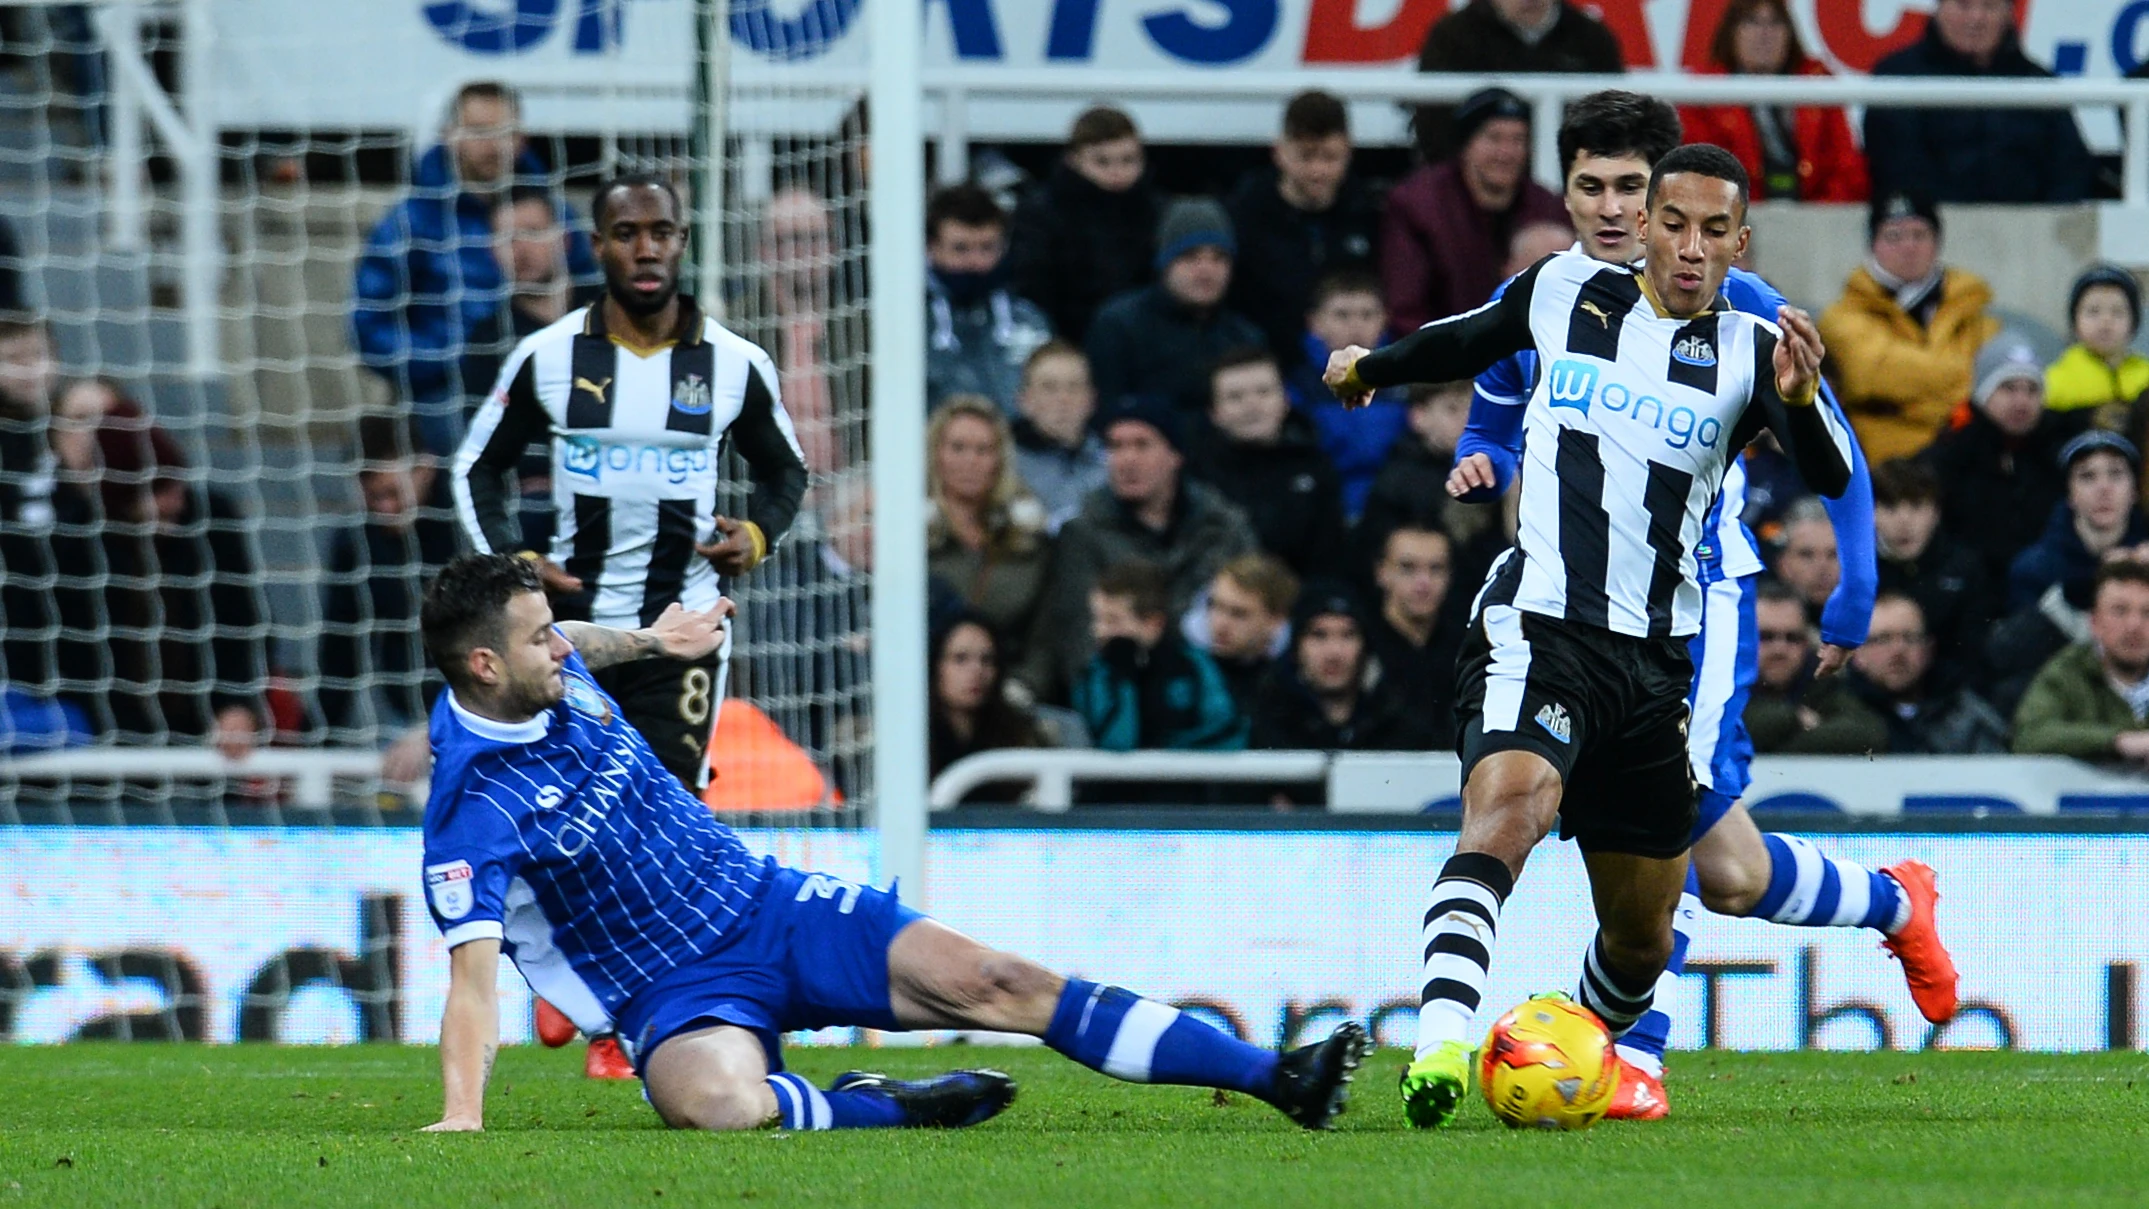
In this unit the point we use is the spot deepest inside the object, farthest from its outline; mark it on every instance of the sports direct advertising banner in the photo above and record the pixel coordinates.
(390, 63)
(322, 936)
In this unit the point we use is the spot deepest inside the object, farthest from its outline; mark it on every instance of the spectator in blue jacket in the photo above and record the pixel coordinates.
(2099, 516)
(1347, 309)
(428, 274)
(1985, 154)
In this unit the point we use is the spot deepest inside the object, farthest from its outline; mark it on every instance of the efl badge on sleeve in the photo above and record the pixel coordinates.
(584, 698)
(449, 887)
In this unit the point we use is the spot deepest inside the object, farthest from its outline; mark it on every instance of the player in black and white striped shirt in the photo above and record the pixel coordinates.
(1572, 693)
(639, 395)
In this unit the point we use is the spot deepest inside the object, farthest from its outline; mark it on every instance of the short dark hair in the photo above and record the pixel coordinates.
(1055, 347)
(465, 605)
(1140, 583)
(517, 195)
(1774, 591)
(383, 439)
(1905, 481)
(1241, 357)
(967, 204)
(2119, 571)
(601, 201)
(1417, 522)
(1701, 159)
(1898, 596)
(1314, 114)
(484, 90)
(1346, 280)
(1100, 124)
(1617, 122)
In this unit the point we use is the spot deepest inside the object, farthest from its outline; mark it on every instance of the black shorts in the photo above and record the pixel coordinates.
(1607, 710)
(673, 703)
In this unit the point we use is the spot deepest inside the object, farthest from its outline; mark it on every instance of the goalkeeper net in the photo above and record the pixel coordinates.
(254, 297)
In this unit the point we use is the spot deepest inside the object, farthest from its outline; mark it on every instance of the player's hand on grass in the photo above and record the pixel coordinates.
(1473, 473)
(1342, 377)
(684, 635)
(455, 1125)
(1832, 659)
(1798, 355)
(740, 550)
(556, 579)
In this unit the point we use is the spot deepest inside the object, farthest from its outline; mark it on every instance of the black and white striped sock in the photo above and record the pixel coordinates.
(1617, 1000)
(1460, 928)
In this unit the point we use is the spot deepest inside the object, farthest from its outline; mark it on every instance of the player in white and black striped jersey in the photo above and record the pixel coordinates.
(1574, 678)
(639, 395)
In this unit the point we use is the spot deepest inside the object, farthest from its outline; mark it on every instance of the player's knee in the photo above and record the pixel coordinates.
(1638, 950)
(1732, 887)
(724, 1107)
(998, 981)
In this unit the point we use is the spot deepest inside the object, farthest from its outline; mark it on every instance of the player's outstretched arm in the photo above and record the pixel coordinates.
(1449, 350)
(469, 1035)
(676, 634)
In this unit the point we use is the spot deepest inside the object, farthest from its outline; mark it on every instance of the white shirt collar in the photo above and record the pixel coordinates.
(500, 732)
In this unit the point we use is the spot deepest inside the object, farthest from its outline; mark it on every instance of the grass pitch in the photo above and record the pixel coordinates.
(113, 1124)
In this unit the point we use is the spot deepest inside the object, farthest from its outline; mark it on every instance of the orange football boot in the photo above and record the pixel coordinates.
(605, 1061)
(553, 1026)
(1640, 1096)
(1926, 964)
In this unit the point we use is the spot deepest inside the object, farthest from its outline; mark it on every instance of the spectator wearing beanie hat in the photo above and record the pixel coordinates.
(2100, 514)
(2099, 370)
(1162, 338)
(1328, 693)
(1445, 235)
(1147, 511)
(1999, 471)
(1902, 337)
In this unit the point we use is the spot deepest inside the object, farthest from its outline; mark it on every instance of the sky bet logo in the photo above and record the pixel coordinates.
(1574, 384)
(592, 460)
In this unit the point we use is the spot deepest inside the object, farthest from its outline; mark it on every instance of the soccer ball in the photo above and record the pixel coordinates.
(1548, 1064)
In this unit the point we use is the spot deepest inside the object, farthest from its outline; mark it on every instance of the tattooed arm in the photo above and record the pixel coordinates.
(677, 634)
(469, 1034)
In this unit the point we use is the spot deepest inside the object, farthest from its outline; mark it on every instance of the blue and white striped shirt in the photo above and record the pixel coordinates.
(565, 838)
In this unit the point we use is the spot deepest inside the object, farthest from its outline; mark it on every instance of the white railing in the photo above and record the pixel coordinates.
(311, 774)
(1413, 782)
(957, 88)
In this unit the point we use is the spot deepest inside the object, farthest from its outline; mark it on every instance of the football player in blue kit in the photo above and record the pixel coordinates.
(554, 835)
(1608, 144)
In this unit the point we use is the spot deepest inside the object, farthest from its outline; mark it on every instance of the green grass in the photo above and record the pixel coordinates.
(113, 1124)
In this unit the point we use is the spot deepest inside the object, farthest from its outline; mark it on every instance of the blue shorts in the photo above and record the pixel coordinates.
(814, 956)
(1726, 653)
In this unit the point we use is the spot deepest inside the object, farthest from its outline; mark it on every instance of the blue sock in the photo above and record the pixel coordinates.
(1142, 1041)
(1807, 889)
(801, 1105)
(1645, 1043)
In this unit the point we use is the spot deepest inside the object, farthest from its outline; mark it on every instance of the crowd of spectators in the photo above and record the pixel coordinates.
(1149, 524)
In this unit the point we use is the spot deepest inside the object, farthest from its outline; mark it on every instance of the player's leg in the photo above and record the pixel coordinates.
(939, 978)
(1635, 896)
(1786, 879)
(673, 703)
(1725, 654)
(1525, 710)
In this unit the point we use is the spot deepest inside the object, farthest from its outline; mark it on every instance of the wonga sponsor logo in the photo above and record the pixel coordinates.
(591, 459)
(1574, 384)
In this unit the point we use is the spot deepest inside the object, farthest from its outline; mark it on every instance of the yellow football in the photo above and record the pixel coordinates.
(1548, 1064)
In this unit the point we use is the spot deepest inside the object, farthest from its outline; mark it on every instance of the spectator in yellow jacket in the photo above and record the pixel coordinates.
(1902, 338)
(2099, 369)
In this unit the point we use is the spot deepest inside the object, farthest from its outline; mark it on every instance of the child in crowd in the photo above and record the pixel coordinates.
(1347, 309)
(1146, 688)
(2099, 370)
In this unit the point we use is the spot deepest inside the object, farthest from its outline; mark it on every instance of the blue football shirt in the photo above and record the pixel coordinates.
(564, 838)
